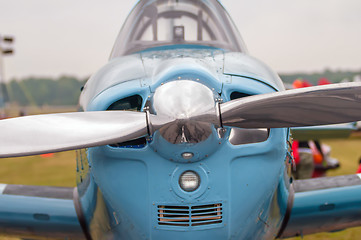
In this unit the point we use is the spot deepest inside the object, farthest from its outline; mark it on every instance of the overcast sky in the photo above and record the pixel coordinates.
(75, 37)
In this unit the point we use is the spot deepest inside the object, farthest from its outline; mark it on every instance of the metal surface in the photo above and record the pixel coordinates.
(32, 217)
(237, 64)
(152, 68)
(328, 104)
(191, 105)
(306, 185)
(65, 131)
(325, 210)
(39, 191)
(240, 136)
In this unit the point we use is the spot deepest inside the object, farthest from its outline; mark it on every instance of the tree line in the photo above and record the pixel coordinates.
(65, 90)
(35, 91)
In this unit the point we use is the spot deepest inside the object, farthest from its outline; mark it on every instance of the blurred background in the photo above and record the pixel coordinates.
(59, 44)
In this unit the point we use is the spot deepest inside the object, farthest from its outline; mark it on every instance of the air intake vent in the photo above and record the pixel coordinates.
(187, 216)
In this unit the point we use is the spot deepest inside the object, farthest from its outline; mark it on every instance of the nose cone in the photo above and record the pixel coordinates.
(192, 135)
(193, 108)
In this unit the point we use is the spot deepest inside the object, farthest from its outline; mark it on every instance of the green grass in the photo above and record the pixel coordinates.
(348, 152)
(59, 170)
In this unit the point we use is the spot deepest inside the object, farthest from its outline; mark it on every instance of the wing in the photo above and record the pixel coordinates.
(324, 205)
(39, 211)
(322, 132)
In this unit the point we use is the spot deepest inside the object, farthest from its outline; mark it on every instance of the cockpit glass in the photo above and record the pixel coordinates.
(154, 23)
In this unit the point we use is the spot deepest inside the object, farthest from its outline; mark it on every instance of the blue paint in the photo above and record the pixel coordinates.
(134, 182)
(179, 47)
(46, 217)
(326, 210)
(116, 92)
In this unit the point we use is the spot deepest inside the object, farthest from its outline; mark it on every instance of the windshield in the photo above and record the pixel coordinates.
(154, 23)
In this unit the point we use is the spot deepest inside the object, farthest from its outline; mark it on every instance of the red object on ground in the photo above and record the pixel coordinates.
(301, 83)
(306, 83)
(323, 81)
(298, 83)
(47, 155)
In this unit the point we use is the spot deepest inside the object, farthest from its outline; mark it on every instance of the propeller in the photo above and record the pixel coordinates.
(327, 104)
(38, 134)
(319, 105)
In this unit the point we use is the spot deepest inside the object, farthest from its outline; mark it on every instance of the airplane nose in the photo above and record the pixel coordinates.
(185, 101)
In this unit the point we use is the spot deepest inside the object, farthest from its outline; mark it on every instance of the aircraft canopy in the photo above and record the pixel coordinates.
(154, 23)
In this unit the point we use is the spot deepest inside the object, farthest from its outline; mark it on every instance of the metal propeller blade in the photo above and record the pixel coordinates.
(328, 104)
(39, 134)
(320, 105)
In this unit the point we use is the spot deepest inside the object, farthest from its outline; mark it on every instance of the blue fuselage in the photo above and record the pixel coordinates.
(131, 190)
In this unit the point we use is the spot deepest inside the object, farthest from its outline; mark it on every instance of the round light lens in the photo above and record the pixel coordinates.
(189, 181)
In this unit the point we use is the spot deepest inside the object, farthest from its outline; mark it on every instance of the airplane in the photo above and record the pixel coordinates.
(182, 135)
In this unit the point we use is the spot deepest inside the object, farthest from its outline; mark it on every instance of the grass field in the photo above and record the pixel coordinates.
(59, 170)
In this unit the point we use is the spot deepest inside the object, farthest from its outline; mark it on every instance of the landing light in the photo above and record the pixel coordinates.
(189, 181)
(187, 155)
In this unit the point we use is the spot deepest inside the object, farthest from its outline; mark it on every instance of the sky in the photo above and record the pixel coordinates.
(75, 37)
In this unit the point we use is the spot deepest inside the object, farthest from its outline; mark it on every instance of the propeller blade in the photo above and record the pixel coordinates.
(39, 134)
(320, 105)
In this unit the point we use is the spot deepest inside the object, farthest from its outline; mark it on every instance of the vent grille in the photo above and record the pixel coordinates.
(187, 216)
